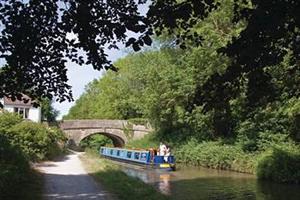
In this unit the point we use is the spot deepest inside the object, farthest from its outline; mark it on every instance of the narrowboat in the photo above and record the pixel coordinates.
(141, 157)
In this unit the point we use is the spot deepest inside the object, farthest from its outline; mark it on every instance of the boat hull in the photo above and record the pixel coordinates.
(139, 157)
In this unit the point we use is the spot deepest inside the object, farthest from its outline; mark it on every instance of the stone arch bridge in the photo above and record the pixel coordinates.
(119, 131)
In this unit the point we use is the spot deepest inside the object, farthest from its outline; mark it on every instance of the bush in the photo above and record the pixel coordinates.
(266, 122)
(269, 140)
(7, 120)
(280, 165)
(247, 134)
(148, 141)
(58, 141)
(139, 121)
(36, 140)
(14, 167)
(201, 123)
(215, 155)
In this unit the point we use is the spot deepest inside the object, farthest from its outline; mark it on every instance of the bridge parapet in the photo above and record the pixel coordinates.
(79, 124)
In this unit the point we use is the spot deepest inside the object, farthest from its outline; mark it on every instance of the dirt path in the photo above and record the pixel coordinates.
(67, 179)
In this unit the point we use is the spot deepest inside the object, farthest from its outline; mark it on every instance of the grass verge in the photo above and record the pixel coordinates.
(116, 181)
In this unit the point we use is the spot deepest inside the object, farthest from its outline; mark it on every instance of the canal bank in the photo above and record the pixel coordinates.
(277, 159)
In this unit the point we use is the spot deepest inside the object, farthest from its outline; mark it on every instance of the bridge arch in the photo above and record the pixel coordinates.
(118, 137)
(117, 141)
(120, 131)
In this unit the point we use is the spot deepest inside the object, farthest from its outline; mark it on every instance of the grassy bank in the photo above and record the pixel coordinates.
(116, 181)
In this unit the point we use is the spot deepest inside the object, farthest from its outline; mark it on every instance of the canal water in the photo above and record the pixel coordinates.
(190, 183)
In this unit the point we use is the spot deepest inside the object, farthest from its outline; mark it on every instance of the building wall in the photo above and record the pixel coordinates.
(34, 113)
(8, 108)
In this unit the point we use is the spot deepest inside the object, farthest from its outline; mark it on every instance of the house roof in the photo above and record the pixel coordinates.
(9, 101)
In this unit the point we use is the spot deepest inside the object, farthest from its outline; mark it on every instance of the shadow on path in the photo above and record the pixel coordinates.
(72, 187)
(65, 178)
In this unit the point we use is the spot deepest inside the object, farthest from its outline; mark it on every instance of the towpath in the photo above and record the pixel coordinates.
(65, 178)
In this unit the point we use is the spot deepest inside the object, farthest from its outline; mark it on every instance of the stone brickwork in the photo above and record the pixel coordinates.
(120, 131)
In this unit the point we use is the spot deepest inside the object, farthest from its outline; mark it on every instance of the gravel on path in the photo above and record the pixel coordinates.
(67, 179)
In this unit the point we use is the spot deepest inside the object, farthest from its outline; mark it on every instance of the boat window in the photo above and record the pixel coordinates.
(111, 152)
(143, 156)
(102, 150)
(129, 154)
(118, 152)
(136, 155)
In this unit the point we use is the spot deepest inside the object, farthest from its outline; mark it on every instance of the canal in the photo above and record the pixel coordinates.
(192, 183)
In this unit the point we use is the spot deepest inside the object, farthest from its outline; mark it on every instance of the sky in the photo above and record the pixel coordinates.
(80, 76)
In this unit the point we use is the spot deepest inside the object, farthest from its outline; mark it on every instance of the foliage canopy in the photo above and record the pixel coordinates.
(35, 40)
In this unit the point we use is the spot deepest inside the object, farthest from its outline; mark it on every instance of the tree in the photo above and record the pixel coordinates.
(272, 32)
(34, 40)
(49, 113)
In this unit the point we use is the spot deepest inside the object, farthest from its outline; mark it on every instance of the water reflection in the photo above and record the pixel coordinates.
(160, 179)
(201, 183)
(164, 183)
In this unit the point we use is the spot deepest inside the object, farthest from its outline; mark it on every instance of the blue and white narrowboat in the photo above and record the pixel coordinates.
(142, 157)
